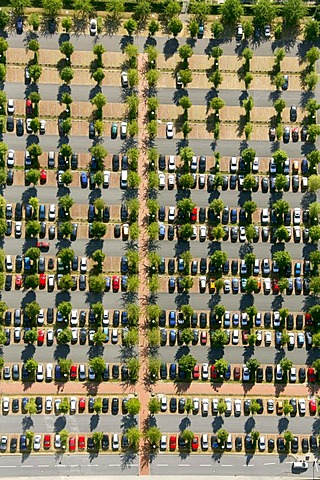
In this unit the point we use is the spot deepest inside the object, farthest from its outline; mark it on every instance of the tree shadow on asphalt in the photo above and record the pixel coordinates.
(61, 351)
(95, 351)
(28, 352)
(249, 457)
(217, 423)
(170, 47)
(127, 458)
(279, 388)
(248, 351)
(128, 421)
(184, 424)
(26, 423)
(94, 422)
(283, 424)
(28, 193)
(59, 423)
(249, 424)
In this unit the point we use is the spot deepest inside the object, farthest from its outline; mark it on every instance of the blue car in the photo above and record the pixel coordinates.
(297, 269)
(124, 317)
(84, 179)
(57, 372)
(227, 373)
(172, 284)
(233, 216)
(19, 25)
(124, 265)
(106, 333)
(298, 285)
(108, 283)
(162, 231)
(124, 283)
(27, 263)
(173, 371)
(172, 318)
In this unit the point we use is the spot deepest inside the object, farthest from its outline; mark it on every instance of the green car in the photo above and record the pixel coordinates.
(114, 130)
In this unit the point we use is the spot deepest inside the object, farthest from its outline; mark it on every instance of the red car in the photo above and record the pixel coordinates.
(42, 280)
(28, 107)
(236, 373)
(312, 406)
(73, 371)
(81, 442)
(115, 283)
(196, 372)
(275, 286)
(72, 444)
(173, 442)
(82, 404)
(193, 215)
(47, 441)
(18, 281)
(43, 176)
(213, 372)
(40, 336)
(195, 443)
(311, 375)
(309, 320)
(245, 336)
(43, 245)
(203, 338)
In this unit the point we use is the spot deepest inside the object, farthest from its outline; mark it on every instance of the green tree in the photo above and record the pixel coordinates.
(66, 282)
(186, 231)
(187, 336)
(280, 181)
(153, 435)
(133, 435)
(31, 336)
(31, 407)
(185, 52)
(154, 405)
(279, 106)
(231, 12)
(312, 55)
(175, 26)
(65, 365)
(31, 281)
(51, 8)
(251, 285)
(98, 365)
(254, 407)
(133, 406)
(32, 310)
(222, 435)
(66, 74)
(250, 207)
(221, 366)
(187, 363)
(219, 258)
(115, 9)
(98, 75)
(312, 30)
(292, 12)
(253, 364)
(314, 233)
(219, 338)
(131, 26)
(287, 407)
(133, 365)
(65, 336)
(66, 23)
(64, 434)
(31, 366)
(64, 406)
(264, 12)
(153, 27)
(83, 8)
(285, 364)
(283, 259)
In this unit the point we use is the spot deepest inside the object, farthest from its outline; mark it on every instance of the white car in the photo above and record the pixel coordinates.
(259, 336)
(293, 374)
(229, 405)
(124, 79)
(18, 229)
(40, 374)
(302, 406)
(255, 165)
(28, 125)
(106, 178)
(202, 233)
(267, 31)
(74, 317)
(40, 319)
(9, 264)
(125, 231)
(194, 232)
(267, 285)
(93, 26)
(73, 404)
(115, 441)
(204, 441)
(171, 182)
(57, 403)
(214, 406)
(272, 166)
(262, 444)
(162, 180)
(235, 337)
(74, 334)
(50, 336)
(233, 165)
(296, 216)
(48, 404)
(227, 286)
(202, 284)
(10, 106)
(10, 158)
(237, 407)
(172, 163)
(52, 212)
(276, 319)
(37, 443)
(205, 371)
(57, 441)
(169, 130)
(163, 442)
(171, 214)
(242, 234)
(5, 405)
(42, 127)
(205, 407)
(245, 373)
(83, 265)
(291, 339)
(91, 374)
(195, 404)
(163, 404)
(105, 317)
(49, 372)
(123, 129)
(265, 216)
(267, 338)
(114, 336)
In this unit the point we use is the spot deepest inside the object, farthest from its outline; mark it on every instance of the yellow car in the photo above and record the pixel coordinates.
(212, 285)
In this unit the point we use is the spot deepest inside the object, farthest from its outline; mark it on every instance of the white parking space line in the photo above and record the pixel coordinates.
(270, 463)
(12, 466)
(249, 465)
(114, 465)
(27, 466)
(205, 465)
(162, 465)
(227, 465)
(43, 465)
(184, 465)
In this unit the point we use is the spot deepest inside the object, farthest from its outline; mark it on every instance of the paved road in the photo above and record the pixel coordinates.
(68, 465)
(198, 96)
(114, 196)
(168, 45)
(81, 423)
(267, 424)
(169, 147)
(115, 353)
(198, 301)
(228, 465)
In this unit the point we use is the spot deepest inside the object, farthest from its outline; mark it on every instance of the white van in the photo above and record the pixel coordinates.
(9, 265)
(124, 179)
(229, 442)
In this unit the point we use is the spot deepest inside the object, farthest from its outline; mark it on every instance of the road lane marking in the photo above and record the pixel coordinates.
(184, 465)
(114, 465)
(162, 465)
(12, 466)
(226, 465)
(27, 466)
(134, 465)
(205, 464)
(43, 465)
(250, 465)
(271, 463)
(59, 465)
(74, 466)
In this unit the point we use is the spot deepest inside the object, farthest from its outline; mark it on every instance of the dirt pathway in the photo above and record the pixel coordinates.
(143, 386)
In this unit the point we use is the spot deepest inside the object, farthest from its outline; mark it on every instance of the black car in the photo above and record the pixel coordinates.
(299, 321)
(124, 442)
(39, 404)
(105, 442)
(115, 371)
(281, 444)
(90, 443)
(117, 230)
(106, 214)
(74, 161)
(8, 282)
(248, 442)
(162, 162)
(173, 405)
(293, 403)
(181, 405)
(304, 445)
(115, 162)
(313, 443)
(203, 265)
(115, 406)
(124, 212)
(13, 444)
(260, 403)
(19, 127)
(163, 371)
(259, 374)
(203, 320)
(269, 373)
(202, 164)
(302, 374)
(124, 406)
(92, 131)
(238, 444)
(270, 445)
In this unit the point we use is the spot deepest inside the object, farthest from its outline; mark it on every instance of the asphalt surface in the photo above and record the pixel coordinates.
(81, 144)
(198, 96)
(115, 353)
(68, 465)
(169, 45)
